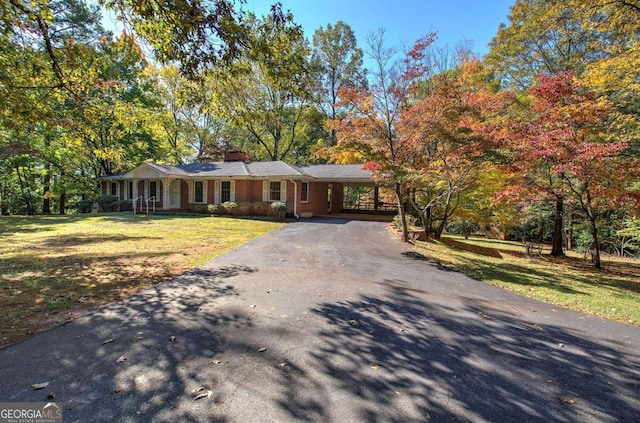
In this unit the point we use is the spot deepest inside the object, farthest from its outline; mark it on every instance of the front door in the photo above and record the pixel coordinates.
(174, 194)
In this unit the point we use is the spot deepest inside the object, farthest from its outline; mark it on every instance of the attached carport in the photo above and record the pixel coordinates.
(350, 189)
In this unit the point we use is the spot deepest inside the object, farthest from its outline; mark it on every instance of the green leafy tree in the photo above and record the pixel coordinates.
(268, 90)
(543, 36)
(42, 44)
(195, 33)
(338, 62)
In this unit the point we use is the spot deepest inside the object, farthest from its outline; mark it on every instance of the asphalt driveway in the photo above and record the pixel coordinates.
(330, 320)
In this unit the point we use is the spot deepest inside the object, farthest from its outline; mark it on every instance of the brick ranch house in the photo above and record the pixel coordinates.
(307, 190)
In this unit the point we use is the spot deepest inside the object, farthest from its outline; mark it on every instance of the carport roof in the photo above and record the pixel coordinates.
(335, 172)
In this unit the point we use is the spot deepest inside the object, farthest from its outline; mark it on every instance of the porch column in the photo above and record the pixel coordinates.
(165, 193)
(376, 198)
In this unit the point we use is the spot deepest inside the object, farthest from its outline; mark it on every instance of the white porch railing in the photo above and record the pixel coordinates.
(153, 203)
(134, 202)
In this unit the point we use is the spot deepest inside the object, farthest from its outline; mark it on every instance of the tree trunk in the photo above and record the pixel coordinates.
(425, 217)
(445, 216)
(63, 202)
(46, 192)
(25, 196)
(569, 231)
(4, 207)
(401, 211)
(63, 196)
(557, 241)
(596, 242)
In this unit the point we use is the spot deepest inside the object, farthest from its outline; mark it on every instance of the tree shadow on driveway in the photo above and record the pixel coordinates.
(143, 359)
(399, 358)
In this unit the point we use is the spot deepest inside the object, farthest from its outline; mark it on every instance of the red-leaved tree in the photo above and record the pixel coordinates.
(564, 151)
(371, 128)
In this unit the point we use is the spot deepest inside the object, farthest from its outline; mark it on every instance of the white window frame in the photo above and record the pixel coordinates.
(204, 192)
(302, 192)
(266, 191)
(117, 185)
(217, 191)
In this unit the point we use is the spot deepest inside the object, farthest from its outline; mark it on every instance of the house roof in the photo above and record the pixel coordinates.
(274, 169)
(215, 169)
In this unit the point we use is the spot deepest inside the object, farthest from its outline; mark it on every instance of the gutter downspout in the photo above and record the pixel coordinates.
(295, 199)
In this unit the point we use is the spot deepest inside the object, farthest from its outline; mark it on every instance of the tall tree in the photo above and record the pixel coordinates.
(543, 36)
(338, 63)
(41, 45)
(371, 127)
(269, 88)
(195, 33)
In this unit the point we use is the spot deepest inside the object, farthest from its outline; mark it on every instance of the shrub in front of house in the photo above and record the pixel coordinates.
(231, 207)
(279, 209)
(108, 203)
(213, 208)
(126, 205)
(244, 208)
(200, 208)
(259, 208)
(84, 206)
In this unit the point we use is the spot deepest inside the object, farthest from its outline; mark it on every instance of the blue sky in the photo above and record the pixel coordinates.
(404, 21)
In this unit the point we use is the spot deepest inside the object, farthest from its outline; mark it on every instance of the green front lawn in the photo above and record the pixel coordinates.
(613, 292)
(56, 268)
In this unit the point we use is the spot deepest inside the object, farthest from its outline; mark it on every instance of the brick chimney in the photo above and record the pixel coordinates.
(236, 156)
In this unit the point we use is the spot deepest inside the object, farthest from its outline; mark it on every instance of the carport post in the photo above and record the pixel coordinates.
(376, 197)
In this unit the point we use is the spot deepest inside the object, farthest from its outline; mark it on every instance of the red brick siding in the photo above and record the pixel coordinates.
(184, 194)
(338, 198)
(317, 196)
(254, 191)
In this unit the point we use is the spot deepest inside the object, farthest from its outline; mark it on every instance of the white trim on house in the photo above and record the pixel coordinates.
(128, 190)
(203, 200)
(117, 185)
(268, 192)
(148, 193)
(177, 194)
(217, 194)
